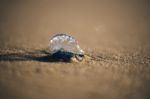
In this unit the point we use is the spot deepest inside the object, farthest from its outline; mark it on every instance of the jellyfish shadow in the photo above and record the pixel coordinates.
(40, 56)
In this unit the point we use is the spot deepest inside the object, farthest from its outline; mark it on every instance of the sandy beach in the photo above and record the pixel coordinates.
(114, 34)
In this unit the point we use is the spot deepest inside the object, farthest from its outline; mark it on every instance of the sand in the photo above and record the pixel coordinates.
(115, 35)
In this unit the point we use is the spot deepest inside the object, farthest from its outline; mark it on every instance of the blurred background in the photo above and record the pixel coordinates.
(95, 23)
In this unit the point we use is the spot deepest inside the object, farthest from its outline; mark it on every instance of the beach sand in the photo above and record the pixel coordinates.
(114, 34)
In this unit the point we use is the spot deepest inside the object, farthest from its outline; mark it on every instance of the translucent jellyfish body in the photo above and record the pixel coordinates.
(65, 42)
(65, 47)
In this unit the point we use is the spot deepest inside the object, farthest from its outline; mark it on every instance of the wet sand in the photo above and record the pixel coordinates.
(114, 34)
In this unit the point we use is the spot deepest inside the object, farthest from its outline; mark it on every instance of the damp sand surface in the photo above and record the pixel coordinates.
(28, 74)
